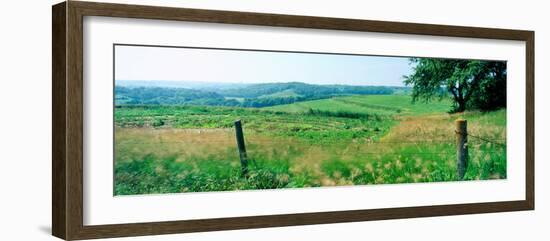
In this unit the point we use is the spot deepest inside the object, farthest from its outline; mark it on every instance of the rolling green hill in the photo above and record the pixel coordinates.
(252, 95)
(367, 104)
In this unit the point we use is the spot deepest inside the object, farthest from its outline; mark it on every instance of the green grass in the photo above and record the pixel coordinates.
(153, 175)
(372, 104)
(313, 126)
(353, 140)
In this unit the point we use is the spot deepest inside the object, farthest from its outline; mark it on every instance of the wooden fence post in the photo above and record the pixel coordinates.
(242, 148)
(461, 147)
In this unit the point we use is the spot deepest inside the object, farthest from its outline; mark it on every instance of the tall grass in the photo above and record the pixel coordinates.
(193, 149)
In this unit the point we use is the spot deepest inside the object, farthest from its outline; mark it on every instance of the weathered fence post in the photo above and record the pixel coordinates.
(242, 148)
(461, 147)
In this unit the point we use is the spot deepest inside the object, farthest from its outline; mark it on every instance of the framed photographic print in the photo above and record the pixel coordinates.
(171, 120)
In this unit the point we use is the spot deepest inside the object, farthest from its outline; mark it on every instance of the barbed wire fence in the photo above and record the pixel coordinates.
(460, 142)
(498, 142)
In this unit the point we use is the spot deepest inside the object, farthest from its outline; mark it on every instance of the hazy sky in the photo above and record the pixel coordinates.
(237, 66)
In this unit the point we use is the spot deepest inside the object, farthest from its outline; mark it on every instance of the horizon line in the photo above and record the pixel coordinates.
(255, 83)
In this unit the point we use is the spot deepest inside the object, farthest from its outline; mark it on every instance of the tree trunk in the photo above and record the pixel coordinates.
(461, 105)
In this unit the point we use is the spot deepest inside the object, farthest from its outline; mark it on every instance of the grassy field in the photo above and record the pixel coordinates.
(352, 140)
(369, 104)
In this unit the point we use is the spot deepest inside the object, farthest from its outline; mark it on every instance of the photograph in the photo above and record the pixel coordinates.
(182, 120)
(196, 119)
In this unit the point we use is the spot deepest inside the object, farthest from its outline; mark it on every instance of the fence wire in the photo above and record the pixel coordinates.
(488, 140)
(252, 146)
(485, 139)
(360, 142)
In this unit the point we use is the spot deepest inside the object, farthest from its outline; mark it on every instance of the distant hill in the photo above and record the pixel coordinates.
(303, 89)
(244, 95)
(178, 84)
(168, 96)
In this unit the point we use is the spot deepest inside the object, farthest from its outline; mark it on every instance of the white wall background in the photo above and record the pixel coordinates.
(25, 119)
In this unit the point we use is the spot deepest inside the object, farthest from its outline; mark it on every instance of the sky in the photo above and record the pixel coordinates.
(241, 66)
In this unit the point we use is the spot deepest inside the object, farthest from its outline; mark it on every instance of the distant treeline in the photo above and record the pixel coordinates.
(166, 96)
(304, 90)
(255, 95)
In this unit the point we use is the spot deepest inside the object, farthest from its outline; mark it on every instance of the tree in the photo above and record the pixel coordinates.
(473, 84)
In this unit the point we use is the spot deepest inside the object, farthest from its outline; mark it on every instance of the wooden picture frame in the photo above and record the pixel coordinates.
(67, 137)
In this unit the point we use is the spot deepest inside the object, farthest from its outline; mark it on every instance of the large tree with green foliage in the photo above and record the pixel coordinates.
(473, 84)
